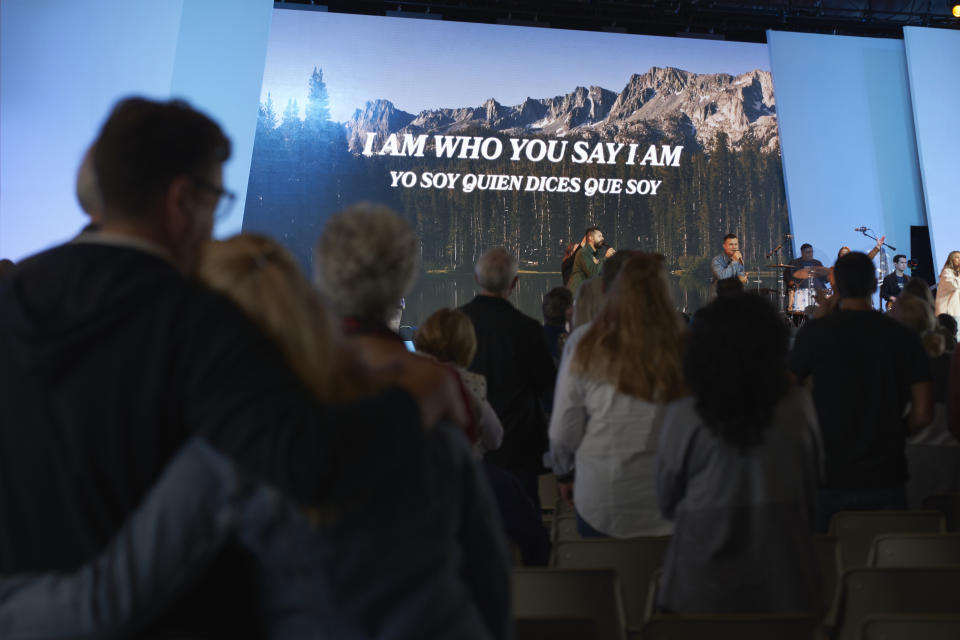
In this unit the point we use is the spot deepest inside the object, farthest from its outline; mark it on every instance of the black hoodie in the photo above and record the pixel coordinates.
(110, 359)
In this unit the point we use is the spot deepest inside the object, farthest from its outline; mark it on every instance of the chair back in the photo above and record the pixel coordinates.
(855, 530)
(555, 629)
(732, 627)
(635, 560)
(911, 627)
(949, 505)
(574, 593)
(867, 592)
(827, 558)
(916, 550)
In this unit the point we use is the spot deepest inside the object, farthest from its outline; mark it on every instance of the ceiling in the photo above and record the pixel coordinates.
(725, 19)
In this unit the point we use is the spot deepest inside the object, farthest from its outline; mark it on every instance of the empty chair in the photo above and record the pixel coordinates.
(916, 550)
(556, 629)
(855, 530)
(911, 627)
(732, 627)
(575, 593)
(634, 559)
(949, 505)
(865, 592)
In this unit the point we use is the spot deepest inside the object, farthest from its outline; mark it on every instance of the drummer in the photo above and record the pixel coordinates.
(807, 271)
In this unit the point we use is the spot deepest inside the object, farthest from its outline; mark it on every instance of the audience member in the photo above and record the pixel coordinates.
(569, 255)
(737, 472)
(365, 262)
(933, 455)
(440, 565)
(113, 358)
(919, 288)
(729, 287)
(448, 336)
(948, 287)
(866, 369)
(947, 326)
(622, 369)
(557, 312)
(520, 373)
(953, 396)
(586, 303)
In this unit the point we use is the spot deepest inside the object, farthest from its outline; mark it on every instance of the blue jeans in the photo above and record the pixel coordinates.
(586, 530)
(833, 500)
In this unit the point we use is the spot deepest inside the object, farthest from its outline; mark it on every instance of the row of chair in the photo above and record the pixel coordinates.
(908, 603)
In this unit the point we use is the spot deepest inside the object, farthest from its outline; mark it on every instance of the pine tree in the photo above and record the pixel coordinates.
(318, 101)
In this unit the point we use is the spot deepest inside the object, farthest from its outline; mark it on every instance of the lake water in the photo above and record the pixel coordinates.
(451, 290)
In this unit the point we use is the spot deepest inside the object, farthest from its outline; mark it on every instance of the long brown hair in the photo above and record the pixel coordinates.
(636, 341)
(949, 263)
(266, 282)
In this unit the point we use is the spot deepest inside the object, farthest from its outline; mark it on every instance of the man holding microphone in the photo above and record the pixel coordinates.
(729, 264)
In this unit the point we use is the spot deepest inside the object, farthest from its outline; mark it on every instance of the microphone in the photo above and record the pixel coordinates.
(860, 229)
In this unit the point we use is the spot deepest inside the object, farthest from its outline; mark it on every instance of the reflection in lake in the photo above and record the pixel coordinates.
(451, 290)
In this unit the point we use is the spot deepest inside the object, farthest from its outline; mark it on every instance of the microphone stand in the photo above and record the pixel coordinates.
(883, 264)
(874, 238)
(781, 285)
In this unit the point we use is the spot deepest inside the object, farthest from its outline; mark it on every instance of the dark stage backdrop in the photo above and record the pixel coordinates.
(484, 136)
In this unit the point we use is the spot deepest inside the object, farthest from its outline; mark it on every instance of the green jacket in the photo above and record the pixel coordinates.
(584, 267)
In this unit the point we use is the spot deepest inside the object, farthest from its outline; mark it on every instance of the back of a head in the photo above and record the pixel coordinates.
(587, 302)
(556, 303)
(496, 270)
(5, 266)
(611, 266)
(144, 145)
(636, 341)
(449, 336)
(918, 288)
(729, 287)
(366, 260)
(855, 276)
(266, 282)
(918, 315)
(737, 342)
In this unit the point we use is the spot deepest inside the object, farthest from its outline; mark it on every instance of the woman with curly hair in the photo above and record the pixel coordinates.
(948, 288)
(737, 471)
(621, 371)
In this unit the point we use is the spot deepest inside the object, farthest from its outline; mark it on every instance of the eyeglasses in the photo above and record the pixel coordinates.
(225, 198)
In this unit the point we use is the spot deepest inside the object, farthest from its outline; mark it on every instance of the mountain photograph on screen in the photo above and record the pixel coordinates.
(485, 135)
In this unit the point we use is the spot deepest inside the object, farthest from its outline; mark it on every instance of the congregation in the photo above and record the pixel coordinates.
(198, 441)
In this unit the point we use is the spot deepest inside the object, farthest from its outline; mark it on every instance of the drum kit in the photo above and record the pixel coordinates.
(796, 302)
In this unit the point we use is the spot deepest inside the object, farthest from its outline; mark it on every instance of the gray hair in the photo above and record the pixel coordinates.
(366, 260)
(496, 269)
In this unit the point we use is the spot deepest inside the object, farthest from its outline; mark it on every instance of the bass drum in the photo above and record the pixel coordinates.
(802, 298)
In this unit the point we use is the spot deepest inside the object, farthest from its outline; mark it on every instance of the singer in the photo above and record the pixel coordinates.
(589, 259)
(729, 264)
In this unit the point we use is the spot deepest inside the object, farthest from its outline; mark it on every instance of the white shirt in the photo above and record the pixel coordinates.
(948, 293)
(615, 437)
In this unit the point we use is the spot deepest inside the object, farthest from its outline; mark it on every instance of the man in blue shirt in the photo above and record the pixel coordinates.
(729, 264)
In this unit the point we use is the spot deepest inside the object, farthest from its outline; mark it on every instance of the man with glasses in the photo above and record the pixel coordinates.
(113, 356)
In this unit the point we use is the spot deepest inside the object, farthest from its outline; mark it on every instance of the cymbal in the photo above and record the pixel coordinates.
(779, 266)
(811, 272)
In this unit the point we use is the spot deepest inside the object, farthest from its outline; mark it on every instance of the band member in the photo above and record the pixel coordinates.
(729, 264)
(870, 254)
(894, 283)
(589, 259)
(948, 289)
(802, 275)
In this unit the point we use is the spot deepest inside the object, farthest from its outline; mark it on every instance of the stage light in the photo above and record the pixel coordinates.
(955, 10)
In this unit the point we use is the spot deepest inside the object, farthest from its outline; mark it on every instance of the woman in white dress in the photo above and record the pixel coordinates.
(609, 391)
(948, 289)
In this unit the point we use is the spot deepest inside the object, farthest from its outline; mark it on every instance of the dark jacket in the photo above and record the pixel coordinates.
(111, 359)
(520, 373)
(890, 288)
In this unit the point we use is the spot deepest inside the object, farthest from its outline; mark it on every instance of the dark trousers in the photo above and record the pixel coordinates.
(833, 500)
(586, 530)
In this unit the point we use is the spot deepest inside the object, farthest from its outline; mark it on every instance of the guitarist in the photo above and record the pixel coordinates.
(894, 283)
